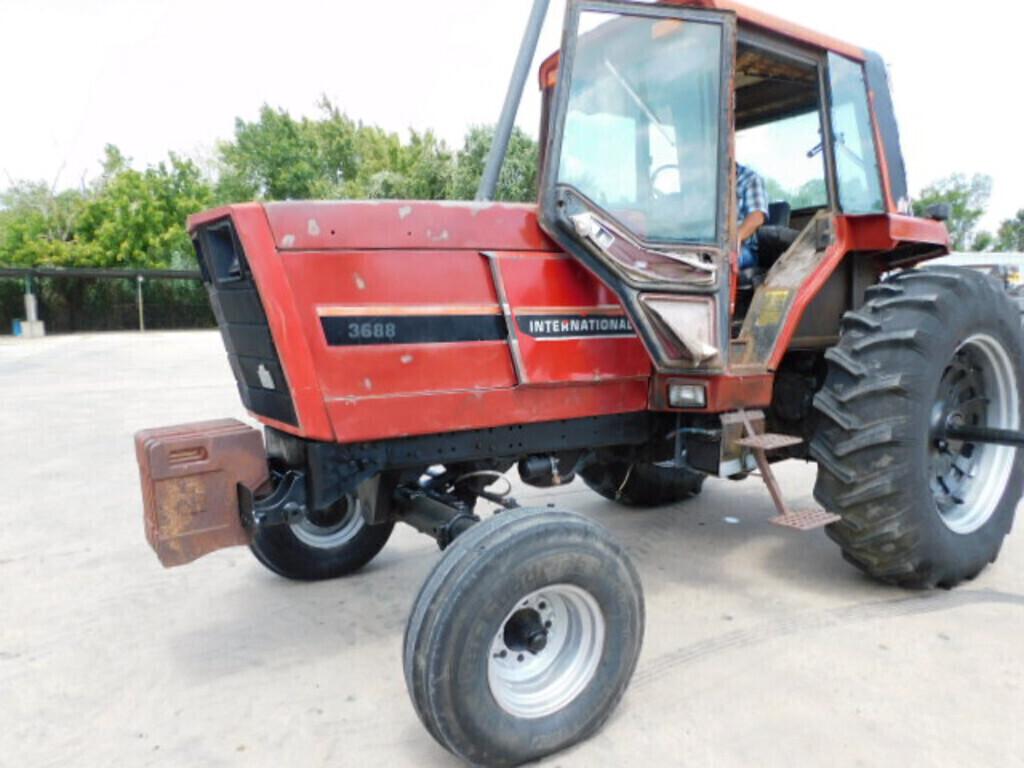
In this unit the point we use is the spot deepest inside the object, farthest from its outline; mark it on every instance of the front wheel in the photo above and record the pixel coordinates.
(931, 349)
(524, 638)
(325, 545)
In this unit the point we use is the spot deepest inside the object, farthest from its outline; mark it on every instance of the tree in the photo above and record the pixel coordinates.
(968, 197)
(810, 194)
(419, 170)
(128, 218)
(273, 158)
(137, 218)
(1011, 234)
(279, 157)
(983, 241)
(518, 181)
(37, 224)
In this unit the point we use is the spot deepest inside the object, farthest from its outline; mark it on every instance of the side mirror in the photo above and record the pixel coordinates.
(939, 211)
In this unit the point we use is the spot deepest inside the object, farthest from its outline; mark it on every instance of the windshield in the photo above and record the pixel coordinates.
(857, 169)
(643, 124)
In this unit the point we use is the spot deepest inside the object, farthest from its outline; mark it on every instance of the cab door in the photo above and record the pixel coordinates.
(637, 182)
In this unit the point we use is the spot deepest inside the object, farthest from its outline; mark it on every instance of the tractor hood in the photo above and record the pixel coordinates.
(388, 225)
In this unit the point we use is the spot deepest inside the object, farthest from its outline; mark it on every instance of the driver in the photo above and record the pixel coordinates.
(752, 206)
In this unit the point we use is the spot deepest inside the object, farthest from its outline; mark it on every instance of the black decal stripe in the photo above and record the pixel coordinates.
(427, 329)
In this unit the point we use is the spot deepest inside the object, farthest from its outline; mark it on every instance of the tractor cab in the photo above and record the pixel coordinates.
(654, 111)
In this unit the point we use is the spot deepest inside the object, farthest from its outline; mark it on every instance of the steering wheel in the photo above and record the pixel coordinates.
(655, 193)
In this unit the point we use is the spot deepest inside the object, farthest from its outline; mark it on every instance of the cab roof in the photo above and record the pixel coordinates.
(770, 23)
(765, 22)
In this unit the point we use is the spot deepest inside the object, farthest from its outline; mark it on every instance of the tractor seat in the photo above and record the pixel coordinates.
(779, 215)
(773, 239)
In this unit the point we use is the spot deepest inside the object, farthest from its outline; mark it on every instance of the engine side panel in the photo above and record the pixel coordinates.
(398, 323)
(407, 341)
(411, 342)
(386, 224)
(568, 326)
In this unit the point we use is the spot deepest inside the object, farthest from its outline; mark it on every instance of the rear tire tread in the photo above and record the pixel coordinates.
(864, 443)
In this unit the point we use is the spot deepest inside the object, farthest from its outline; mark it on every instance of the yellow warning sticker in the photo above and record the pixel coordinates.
(773, 307)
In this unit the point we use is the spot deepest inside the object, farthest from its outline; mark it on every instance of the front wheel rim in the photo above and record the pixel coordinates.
(546, 651)
(978, 389)
(336, 529)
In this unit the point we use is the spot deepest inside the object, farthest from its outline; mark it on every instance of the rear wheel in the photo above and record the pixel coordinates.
(635, 483)
(931, 348)
(524, 638)
(323, 546)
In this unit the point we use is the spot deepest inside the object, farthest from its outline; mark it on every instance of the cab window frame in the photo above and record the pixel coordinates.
(552, 149)
(819, 60)
(872, 134)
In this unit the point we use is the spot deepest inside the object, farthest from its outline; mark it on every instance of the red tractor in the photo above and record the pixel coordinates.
(404, 356)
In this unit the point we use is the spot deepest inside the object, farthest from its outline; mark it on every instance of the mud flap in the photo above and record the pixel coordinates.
(190, 486)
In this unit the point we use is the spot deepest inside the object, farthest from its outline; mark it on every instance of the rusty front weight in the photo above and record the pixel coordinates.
(191, 476)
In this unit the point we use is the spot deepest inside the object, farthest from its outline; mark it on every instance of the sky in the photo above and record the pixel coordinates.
(152, 76)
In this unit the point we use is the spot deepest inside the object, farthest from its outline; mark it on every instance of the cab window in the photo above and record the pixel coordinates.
(643, 124)
(779, 128)
(788, 155)
(858, 174)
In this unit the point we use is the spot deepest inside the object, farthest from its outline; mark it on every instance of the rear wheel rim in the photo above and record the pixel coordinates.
(332, 529)
(546, 651)
(978, 389)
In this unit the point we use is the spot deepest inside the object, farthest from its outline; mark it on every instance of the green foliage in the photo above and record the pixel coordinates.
(69, 304)
(280, 158)
(968, 197)
(137, 218)
(811, 194)
(131, 218)
(776, 192)
(36, 225)
(518, 180)
(984, 241)
(128, 218)
(1011, 234)
(419, 170)
(12, 303)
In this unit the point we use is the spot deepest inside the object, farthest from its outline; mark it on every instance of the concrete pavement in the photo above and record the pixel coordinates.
(763, 647)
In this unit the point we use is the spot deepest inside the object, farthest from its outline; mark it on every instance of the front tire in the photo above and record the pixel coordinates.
(524, 638)
(919, 510)
(324, 546)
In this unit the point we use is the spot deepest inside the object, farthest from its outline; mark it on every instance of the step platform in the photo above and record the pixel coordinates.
(769, 442)
(805, 519)
(761, 444)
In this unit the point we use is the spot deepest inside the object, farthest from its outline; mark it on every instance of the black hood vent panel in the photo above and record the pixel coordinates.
(243, 323)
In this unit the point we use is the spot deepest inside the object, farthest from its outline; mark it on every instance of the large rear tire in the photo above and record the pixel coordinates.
(524, 637)
(919, 510)
(635, 483)
(325, 546)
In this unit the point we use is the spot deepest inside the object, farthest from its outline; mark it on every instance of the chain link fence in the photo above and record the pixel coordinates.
(75, 301)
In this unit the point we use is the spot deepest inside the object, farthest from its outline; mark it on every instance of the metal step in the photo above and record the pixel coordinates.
(769, 442)
(810, 519)
(805, 519)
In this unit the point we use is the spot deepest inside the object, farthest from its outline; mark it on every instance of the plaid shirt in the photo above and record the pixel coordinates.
(751, 197)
